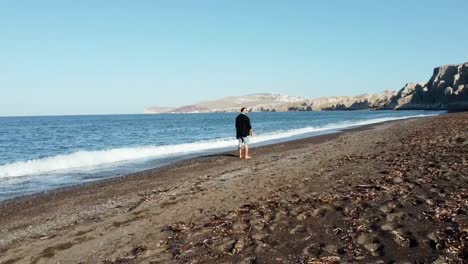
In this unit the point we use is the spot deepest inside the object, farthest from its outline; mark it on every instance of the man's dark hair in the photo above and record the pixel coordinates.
(242, 109)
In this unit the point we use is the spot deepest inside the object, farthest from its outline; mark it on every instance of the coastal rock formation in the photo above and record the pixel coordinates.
(447, 89)
(365, 101)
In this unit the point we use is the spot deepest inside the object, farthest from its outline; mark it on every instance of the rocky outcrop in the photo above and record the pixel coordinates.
(445, 90)
(457, 95)
(372, 101)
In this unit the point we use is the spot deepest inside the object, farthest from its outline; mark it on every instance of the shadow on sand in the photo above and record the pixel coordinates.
(221, 155)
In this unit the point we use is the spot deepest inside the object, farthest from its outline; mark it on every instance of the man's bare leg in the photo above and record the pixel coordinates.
(247, 152)
(240, 151)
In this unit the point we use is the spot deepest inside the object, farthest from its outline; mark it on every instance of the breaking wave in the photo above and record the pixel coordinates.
(87, 160)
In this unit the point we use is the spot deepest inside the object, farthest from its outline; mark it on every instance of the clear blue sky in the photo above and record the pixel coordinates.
(106, 57)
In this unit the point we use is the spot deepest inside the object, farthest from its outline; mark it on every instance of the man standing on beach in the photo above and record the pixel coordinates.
(243, 132)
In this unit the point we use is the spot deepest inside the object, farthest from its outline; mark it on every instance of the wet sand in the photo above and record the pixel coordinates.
(391, 193)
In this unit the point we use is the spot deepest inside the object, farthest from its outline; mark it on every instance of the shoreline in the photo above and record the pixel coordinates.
(190, 157)
(180, 162)
(352, 196)
(45, 195)
(29, 171)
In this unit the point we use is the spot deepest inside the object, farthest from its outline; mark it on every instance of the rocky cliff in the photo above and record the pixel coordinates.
(359, 102)
(447, 89)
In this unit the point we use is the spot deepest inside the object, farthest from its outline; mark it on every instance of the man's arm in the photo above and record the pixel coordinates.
(249, 127)
(238, 125)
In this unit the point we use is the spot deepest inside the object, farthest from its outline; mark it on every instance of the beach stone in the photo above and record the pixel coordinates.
(281, 214)
(432, 235)
(319, 212)
(302, 216)
(268, 217)
(315, 212)
(372, 247)
(232, 215)
(386, 209)
(273, 226)
(240, 245)
(249, 260)
(312, 250)
(397, 180)
(398, 216)
(342, 250)
(296, 211)
(328, 260)
(410, 185)
(441, 260)
(257, 224)
(258, 236)
(239, 226)
(387, 227)
(364, 238)
(227, 245)
(279, 225)
(401, 240)
(260, 247)
(332, 249)
(298, 229)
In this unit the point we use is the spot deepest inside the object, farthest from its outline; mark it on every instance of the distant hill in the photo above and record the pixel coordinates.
(446, 89)
(255, 102)
(156, 109)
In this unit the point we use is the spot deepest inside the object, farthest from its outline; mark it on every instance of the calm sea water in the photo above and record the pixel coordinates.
(42, 153)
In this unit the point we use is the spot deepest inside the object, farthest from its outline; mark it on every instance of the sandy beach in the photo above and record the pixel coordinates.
(395, 192)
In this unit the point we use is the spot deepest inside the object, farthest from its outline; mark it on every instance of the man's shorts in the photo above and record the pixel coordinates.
(244, 140)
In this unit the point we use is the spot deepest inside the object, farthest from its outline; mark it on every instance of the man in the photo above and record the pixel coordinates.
(243, 132)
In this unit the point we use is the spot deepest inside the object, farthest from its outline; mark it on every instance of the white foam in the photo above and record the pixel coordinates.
(329, 127)
(87, 160)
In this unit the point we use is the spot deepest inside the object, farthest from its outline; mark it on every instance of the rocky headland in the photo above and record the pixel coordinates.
(447, 89)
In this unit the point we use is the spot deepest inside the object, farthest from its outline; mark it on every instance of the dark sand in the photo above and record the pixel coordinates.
(391, 193)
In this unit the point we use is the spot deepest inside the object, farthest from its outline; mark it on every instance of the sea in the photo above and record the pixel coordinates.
(41, 153)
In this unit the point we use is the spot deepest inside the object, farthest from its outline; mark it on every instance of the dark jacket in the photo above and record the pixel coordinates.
(242, 126)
